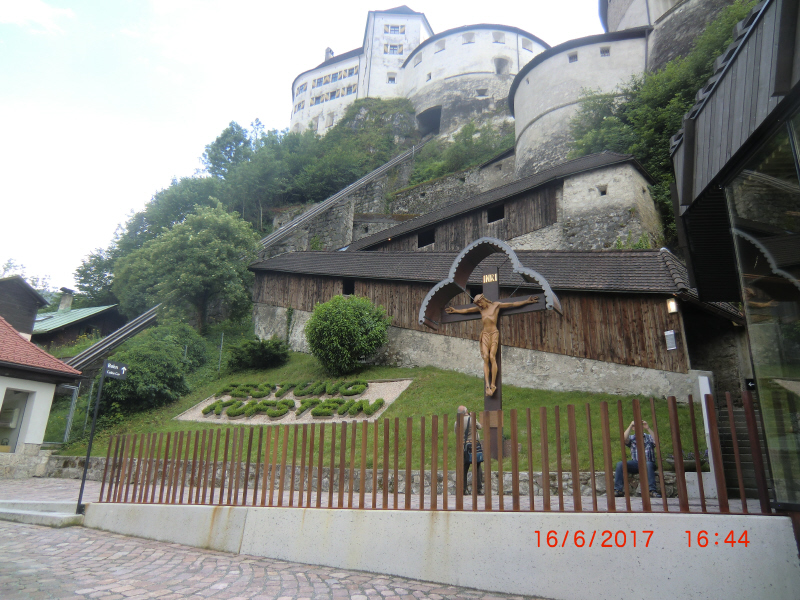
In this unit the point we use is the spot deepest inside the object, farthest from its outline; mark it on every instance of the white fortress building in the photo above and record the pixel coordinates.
(446, 76)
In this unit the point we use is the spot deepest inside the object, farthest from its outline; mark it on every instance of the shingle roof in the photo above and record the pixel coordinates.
(565, 169)
(621, 271)
(51, 321)
(18, 352)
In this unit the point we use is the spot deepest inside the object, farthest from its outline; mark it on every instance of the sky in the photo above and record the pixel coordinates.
(103, 103)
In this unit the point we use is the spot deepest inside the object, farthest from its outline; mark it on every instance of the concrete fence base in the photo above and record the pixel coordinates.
(585, 555)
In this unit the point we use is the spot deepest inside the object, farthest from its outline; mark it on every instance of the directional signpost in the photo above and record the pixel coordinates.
(114, 370)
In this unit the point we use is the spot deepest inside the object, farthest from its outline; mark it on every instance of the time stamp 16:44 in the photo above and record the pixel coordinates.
(620, 539)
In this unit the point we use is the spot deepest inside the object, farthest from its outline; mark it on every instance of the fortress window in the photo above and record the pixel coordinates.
(440, 45)
(605, 51)
(301, 89)
(329, 120)
(496, 213)
(527, 45)
(498, 37)
(348, 287)
(393, 49)
(318, 82)
(468, 38)
(501, 66)
(351, 89)
(482, 92)
(352, 71)
(391, 78)
(573, 57)
(426, 238)
(428, 77)
(603, 189)
(394, 29)
(418, 59)
(335, 77)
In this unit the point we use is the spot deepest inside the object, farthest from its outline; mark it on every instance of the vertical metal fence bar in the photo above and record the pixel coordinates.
(136, 475)
(476, 481)
(332, 469)
(224, 466)
(755, 449)
(677, 451)
(385, 499)
(200, 466)
(351, 466)
(257, 475)
(396, 459)
(500, 473)
(374, 464)
(605, 429)
(716, 455)
(192, 475)
(342, 465)
(514, 462)
(207, 464)
(697, 461)
(239, 470)
(644, 478)
(176, 470)
(660, 465)
(285, 432)
(105, 470)
(572, 430)
(434, 462)
(294, 464)
(120, 477)
(460, 480)
(531, 495)
(445, 474)
(117, 473)
(624, 457)
(559, 467)
(266, 469)
(545, 458)
(110, 493)
(171, 468)
(737, 458)
(319, 467)
(274, 465)
(488, 502)
(124, 480)
(409, 442)
(236, 455)
(592, 481)
(131, 459)
(146, 469)
(362, 475)
(155, 468)
(302, 465)
(214, 466)
(311, 468)
(186, 467)
(247, 466)
(422, 463)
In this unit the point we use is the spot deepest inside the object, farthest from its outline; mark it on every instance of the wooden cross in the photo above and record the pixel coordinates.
(491, 290)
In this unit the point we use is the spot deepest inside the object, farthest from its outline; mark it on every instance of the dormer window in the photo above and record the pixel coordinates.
(426, 238)
(498, 37)
(468, 38)
(605, 52)
(573, 57)
(440, 45)
(527, 45)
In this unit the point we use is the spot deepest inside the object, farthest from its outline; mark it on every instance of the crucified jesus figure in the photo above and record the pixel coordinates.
(490, 335)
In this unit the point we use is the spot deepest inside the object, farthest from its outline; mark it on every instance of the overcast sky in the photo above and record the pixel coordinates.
(103, 102)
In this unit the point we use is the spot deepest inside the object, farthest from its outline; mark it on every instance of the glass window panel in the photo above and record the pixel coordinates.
(764, 202)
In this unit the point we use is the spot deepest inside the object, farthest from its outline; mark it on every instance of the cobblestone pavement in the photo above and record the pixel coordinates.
(67, 489)
(38, 563)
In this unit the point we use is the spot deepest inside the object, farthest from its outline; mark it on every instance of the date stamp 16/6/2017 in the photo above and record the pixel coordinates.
(590, 539)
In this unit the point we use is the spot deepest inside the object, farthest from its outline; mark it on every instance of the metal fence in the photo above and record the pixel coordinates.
(313, 465)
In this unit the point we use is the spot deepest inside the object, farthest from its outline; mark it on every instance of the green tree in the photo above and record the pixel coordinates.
(345, 330)
(95, 277)
(197, 263)
(644, 113)
(232, 147)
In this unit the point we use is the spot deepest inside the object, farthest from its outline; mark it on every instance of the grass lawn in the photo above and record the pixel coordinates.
(433, 392)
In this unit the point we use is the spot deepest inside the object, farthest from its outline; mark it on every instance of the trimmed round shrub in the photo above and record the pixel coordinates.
(258, 354)
(344, 331)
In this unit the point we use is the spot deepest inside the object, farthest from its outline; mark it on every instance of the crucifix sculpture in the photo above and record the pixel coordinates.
(488, 307)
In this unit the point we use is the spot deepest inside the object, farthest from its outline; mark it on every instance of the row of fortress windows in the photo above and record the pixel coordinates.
(498, 37)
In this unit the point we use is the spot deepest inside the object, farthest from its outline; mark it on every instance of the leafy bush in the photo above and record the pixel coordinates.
(345, 330)
(306, 405)
(344, 408)
(326, 408)
(284, 388)
(353, 388)
(155, 378)
(374, 407)
(258, 354)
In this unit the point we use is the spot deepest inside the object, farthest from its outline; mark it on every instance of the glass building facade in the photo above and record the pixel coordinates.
(764, 204)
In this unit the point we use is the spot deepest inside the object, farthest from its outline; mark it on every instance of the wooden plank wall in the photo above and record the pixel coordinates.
(525, 213)
(625, 329)
(739, 104)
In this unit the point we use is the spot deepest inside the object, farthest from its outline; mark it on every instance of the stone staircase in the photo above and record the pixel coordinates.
(49, 514)
(745, 453)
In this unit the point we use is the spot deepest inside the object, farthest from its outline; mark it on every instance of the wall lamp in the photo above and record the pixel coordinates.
(672, 305)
